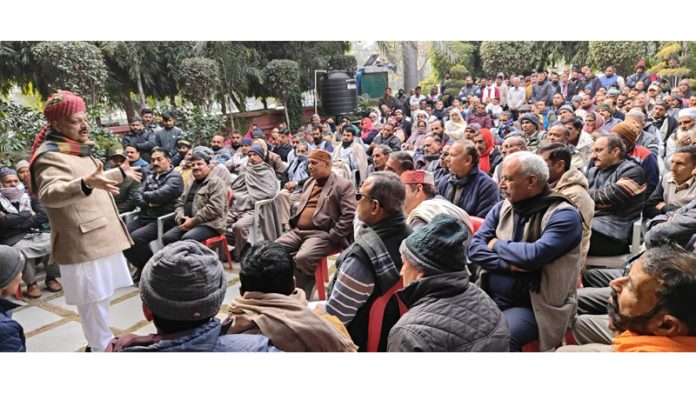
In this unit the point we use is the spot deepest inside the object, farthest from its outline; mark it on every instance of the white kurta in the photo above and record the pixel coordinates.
(96, 280)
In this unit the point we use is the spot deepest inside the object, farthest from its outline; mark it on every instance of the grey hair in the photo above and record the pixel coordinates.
(389, 190)
(531, 164)
(636, 114)
(386, 150)
(405, 160)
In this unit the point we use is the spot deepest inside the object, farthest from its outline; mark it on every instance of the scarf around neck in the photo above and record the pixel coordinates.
(287, 322)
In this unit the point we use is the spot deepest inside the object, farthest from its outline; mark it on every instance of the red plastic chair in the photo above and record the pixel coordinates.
(321, 275)
(222, 239)
(376, 317)
(534, 345)
(476, 223)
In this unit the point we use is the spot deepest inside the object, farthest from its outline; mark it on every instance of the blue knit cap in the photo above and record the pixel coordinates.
(437, 247)
(530, 117)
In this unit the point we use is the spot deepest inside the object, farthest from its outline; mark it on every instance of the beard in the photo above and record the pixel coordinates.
(317, 141)
(236, 145)
(620, 323)
(216, 148)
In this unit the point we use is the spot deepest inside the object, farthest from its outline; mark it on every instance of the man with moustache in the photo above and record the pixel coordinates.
(156, 196)
(143, 139)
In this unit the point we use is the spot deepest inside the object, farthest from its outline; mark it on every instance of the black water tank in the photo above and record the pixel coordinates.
(338, 93)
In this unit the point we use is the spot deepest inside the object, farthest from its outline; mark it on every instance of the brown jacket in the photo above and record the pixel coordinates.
(83, 227)
(573, 184)
(335, 208)
(209, 204)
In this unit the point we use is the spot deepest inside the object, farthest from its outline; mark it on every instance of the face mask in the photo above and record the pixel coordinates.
(13, 194)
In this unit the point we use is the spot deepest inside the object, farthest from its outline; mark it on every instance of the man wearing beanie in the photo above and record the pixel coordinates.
(24, 226)
(629, 131)
(370, 266)
(447, 312)
(618, 187)
(201, 210)
(256, 182)
(11, 333)
(533, 136)
(87, 236)
(271, 305)
(529, 248)
(324, 219)
(183, 147)
(22, 169)
(182, 288)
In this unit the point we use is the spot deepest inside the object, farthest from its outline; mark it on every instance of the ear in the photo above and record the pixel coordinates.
(668, 325)
(147, 312)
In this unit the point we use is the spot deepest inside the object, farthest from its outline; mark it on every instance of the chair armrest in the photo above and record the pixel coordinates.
(160, 228)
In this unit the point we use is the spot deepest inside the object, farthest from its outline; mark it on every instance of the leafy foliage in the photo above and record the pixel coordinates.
(506, 56)
(623, 55)
(449, 54)
(343, 63)
(199, 126)
(19, 126)
(74, 65)
(198, 79)
(280, 77)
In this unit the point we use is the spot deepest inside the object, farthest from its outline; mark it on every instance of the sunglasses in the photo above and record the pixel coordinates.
(359, 196)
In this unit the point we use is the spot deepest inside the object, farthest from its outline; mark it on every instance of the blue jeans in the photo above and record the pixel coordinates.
(523, 327)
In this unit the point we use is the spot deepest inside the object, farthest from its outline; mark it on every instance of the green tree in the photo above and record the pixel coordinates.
(509, 57)
(74, 65)
(674, 61)
(622, 55)
(281, 77)
(199, 80)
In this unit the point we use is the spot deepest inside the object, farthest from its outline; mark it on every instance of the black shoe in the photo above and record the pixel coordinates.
(88, 349)
(136, 276)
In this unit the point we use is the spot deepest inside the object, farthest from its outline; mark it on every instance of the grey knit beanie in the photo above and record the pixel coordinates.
(567, 108)
(183, 282)
(437, 247)
(530, 117)
(11, 263)
(202, 153)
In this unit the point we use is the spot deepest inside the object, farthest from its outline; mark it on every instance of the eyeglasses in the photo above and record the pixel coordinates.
(359, 196)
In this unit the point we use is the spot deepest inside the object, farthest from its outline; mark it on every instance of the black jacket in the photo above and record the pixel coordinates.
(157, 197)
(447, 313)
(14, 226)
(143, 141)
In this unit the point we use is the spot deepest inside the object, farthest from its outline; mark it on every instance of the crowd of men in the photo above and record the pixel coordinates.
(477, 222)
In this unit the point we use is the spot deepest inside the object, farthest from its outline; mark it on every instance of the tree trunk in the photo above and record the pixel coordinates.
(129, 108)
(287, 116)
(409, 53)
(172, 100)
(264, 102)
(236, 103)
(139, 82)
(223, 105)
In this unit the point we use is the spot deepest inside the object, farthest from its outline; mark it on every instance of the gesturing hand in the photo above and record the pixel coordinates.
(97, 180)
(131, 172)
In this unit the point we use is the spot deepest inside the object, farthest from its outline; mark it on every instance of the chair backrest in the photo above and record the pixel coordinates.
(376, 317)
(476, 223)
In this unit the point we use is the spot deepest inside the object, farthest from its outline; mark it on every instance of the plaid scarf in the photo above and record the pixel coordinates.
(57, 142)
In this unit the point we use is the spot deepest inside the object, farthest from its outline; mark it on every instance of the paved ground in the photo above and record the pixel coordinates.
(50, 325)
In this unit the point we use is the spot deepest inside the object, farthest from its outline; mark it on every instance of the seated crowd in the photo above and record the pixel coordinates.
(508, 217)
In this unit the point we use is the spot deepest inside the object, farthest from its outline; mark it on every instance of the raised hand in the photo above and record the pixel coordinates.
(97, 180)
(131, 172)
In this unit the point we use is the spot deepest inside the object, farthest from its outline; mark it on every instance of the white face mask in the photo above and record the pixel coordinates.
(13, 194)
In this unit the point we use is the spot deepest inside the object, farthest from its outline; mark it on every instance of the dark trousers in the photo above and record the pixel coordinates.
(142, 234)
(198, 233)
(605, 246)
(523, 327)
